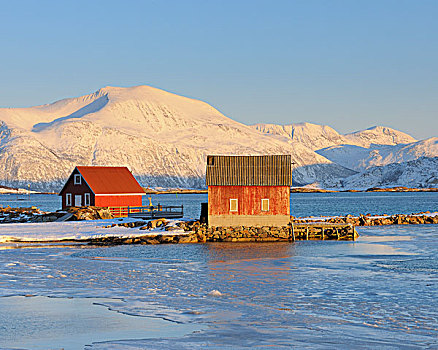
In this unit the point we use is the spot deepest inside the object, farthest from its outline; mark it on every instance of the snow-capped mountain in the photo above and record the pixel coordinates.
(418, 173)
(374, 148)
(164, 139)
(317, 137)
(360, 158)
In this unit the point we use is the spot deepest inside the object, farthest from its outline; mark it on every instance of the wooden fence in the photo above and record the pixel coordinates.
(149, 212)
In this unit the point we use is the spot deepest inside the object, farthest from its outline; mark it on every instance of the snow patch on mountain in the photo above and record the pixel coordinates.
(310, 135)
(378, 135)
(418, 173)
(361, 158)
(93, 107)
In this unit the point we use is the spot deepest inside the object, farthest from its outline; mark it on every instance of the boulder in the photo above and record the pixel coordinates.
(165, 239)
(150, 241)
(190, 238)
(104, 213)
(157, 223)
(283, 235)
(201, 237)
(90, 213)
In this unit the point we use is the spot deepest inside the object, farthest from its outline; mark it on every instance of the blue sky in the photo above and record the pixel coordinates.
(348, 64)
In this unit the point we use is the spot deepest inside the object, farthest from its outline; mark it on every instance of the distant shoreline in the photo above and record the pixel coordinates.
(18, 191)
(373, 189)
(302, 190)
(174, 191)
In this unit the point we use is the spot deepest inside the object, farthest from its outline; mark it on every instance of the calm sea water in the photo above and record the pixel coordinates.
(379, 292)
(302, 204)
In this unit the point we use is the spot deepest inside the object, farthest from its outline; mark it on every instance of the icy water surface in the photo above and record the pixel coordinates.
(70, 323)
(377, 292)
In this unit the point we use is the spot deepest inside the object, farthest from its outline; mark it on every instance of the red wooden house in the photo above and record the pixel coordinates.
(249, 190)
(101, 186)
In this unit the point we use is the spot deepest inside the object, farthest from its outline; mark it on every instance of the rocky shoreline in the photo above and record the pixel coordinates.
(163, 231)
(196, 232)
(19, 215)
(374, 220)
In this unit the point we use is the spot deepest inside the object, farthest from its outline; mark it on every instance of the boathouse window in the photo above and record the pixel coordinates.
(233, 204)
(77, 180)
(265, 204)
(87, 199)
(68, 199)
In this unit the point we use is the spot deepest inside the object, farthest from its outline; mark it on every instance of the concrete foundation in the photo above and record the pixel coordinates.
(248, 220)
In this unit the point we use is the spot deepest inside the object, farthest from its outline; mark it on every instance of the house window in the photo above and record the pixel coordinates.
(265, 204)
(77, 180)
(78, 200)
(68, 200)
(233, 204)
(87, 199)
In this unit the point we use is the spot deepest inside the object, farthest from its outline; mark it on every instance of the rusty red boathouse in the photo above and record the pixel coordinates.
(101, 186)
(249, 190)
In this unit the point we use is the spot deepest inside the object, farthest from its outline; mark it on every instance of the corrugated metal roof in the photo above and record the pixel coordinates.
(272, 170)
(110, 180)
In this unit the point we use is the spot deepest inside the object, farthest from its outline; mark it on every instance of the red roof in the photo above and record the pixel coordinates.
(110, 180)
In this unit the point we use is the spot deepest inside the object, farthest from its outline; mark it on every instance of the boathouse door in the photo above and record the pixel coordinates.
(78, 201)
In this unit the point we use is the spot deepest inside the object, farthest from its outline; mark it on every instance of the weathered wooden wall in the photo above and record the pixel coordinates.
(249, 199)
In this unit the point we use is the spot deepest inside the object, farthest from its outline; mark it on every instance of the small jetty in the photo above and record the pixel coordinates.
(149, 212)
(324, 231)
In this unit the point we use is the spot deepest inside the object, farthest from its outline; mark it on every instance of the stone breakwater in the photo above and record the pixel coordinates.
(374, 220)
(196, 232)
(321, 228)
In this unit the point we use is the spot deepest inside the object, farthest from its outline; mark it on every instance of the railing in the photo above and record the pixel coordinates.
(149, 212)
(119, 212)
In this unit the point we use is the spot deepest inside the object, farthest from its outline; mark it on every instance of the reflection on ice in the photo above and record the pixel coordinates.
(385, 238)
(232, 252)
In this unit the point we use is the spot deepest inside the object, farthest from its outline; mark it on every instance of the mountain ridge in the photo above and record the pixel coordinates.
(164, 138)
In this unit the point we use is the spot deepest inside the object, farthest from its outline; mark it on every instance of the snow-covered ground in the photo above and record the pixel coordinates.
(7, 190)
(77, 230)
